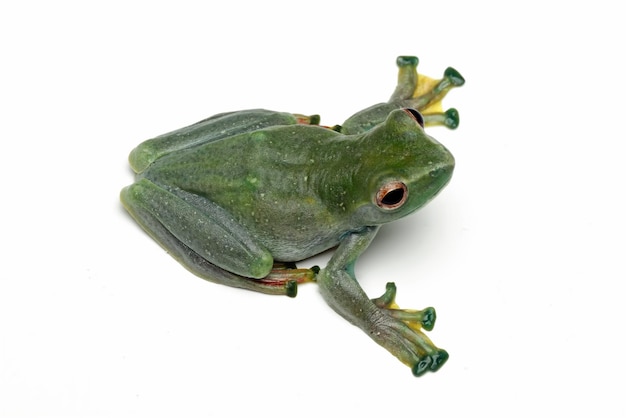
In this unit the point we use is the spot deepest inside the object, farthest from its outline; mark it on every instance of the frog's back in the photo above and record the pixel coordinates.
(274, 153)
(214, 128)
(265, 179)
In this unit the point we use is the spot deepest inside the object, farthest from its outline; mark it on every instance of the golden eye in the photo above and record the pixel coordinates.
(417, 116)
(392, 195)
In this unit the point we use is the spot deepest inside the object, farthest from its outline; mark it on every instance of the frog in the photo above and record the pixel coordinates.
(241, 197)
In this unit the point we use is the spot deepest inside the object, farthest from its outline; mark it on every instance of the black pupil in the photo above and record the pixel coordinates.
(417, 115)
(393, 197)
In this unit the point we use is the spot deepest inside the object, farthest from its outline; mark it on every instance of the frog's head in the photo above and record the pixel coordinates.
(402, 169)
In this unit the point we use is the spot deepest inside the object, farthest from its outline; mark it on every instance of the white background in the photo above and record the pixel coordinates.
(522, 254)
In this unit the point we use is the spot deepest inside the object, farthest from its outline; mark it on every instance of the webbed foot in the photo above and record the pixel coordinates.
(425, 93)
(404, 336)
(415, 91)
(424, 318)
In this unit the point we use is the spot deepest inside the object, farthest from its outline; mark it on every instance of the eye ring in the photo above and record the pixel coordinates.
(392, 195)
(417, 116)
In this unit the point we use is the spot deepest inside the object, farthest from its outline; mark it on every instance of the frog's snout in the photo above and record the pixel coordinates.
(437, 172)
(444, 167)
(442, 170)
(441, 173)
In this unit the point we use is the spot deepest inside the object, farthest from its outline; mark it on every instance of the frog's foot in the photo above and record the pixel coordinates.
(307, 120)
(425, 94)
(412, 346)
(288, 276)
(416, 319)
(314, 120)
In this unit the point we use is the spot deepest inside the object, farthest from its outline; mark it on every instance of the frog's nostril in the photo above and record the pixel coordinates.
(436, 172)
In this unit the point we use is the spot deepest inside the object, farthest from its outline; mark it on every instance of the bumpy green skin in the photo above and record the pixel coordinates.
(233, 195)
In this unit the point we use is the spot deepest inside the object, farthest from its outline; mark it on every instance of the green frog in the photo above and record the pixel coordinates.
(239, 197)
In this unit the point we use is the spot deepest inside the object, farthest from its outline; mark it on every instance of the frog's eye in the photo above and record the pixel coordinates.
(392, 195)
(417, 116)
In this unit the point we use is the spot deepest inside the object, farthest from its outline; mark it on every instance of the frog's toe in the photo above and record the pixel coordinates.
(416, 319)
(387, 299)
(429, 93)
(450, 119)
(454, 76)
(407, 61)
(291, 288)
(431, 362)
(428, 317)
(411, 346)
(287, 276)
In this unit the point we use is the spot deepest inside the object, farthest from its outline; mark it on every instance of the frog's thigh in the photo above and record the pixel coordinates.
(182, 222)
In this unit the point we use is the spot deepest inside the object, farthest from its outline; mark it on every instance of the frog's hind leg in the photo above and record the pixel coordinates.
(279, 281)
(226, 254)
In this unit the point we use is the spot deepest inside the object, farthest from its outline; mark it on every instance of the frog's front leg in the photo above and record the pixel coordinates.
(207, 240)
(415, 91)
(396, 330)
